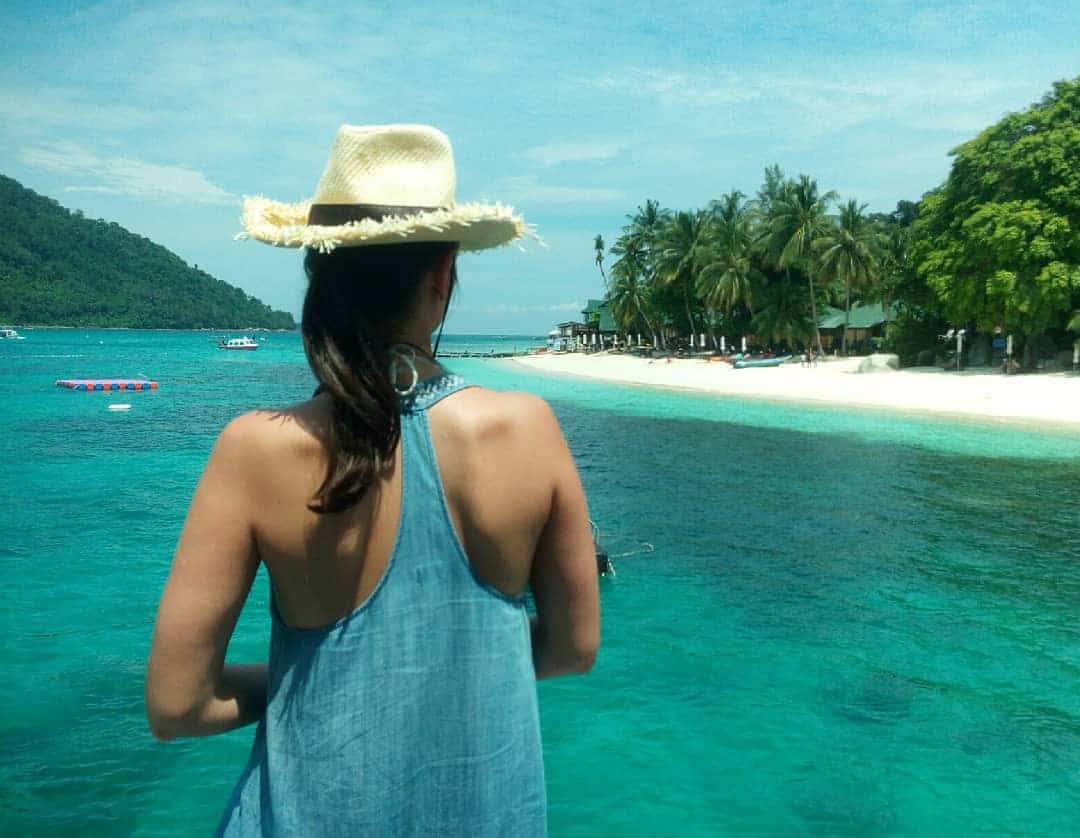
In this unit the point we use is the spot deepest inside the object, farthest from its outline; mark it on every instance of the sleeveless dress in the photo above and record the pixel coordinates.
(416, 714)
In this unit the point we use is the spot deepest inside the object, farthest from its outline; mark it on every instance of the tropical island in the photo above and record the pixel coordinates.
(981, 275)
(58, 268)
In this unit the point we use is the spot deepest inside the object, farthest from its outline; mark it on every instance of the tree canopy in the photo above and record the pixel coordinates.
(999, 242)
(60, 269)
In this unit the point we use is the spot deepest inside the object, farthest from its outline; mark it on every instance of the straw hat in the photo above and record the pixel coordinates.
(383, 184)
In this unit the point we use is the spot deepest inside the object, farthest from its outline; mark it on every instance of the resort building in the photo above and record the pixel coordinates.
(601, 325)
(865, 322)
(568, 337)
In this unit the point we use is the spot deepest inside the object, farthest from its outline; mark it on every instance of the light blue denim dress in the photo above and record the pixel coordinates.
(416, 714)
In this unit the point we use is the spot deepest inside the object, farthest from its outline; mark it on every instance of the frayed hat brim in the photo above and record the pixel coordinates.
(474, 226)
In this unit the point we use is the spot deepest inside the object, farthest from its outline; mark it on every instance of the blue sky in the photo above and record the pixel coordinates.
(160, 117)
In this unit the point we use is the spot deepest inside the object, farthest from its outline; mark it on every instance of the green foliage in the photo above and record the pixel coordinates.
(58, 268)
(914, 332)
(784, 315)
(729, 275)
(797, 222)
(848, 252)
(732, 268)
(999, 242)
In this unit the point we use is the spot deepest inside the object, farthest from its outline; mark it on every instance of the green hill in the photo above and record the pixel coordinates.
(58, 268)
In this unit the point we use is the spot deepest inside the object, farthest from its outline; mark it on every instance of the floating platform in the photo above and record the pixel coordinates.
(92, 384)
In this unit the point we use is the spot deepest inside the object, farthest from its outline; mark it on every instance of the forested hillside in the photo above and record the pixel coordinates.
(61, 269)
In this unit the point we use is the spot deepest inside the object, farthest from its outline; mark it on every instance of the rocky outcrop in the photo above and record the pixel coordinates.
(879, 362)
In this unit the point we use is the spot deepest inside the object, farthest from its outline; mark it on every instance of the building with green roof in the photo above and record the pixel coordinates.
(597, 313)
(864, 322)
(600, 322)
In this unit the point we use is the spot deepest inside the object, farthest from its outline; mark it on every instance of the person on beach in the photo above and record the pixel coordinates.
(401, 515)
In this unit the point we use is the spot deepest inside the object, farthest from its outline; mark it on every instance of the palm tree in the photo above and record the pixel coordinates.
(636, 249)
(727, 277)
(848, 252)
(681, 252)
(893, 251)
(771, 189)
(598, 246)
(645, 224)
(782, 316)
(797, 221)
(628, 292)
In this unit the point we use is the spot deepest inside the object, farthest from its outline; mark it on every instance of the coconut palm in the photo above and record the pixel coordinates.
(727, 277)
(782, 316)
(598, 246)
(645, 224)
(797, 220)
(848, 252)
(894, 263)
(628, 292)
(682, 249)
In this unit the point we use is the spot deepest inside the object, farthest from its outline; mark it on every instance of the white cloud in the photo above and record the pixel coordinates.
(125, 176)
(926, 96)
(51, 109)
(574, 152)
(527, 189)
(674, 87)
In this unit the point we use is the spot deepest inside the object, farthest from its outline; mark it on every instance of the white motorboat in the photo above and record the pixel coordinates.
(238, 343)
(10, 334)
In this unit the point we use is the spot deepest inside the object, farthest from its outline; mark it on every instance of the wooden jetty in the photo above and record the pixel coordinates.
(492, 354)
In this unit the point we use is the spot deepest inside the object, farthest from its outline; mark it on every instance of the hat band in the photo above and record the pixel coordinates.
(334, 215)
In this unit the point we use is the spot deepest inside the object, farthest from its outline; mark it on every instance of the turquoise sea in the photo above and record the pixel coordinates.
(853, 622)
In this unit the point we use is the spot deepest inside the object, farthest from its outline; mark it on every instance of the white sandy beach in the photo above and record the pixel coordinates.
(1052, 398)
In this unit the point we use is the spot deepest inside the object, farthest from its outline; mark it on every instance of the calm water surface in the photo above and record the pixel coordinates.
(853, 623)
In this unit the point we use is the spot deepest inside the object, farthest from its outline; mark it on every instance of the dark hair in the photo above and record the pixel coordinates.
(356, 297)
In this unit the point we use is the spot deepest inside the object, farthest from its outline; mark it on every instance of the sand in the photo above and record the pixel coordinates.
(1051, 398)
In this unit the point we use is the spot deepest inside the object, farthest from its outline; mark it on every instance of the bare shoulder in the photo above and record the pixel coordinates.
(254, 436)
(479, 414)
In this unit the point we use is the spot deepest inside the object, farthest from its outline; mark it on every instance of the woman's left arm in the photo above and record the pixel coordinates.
(190, 690)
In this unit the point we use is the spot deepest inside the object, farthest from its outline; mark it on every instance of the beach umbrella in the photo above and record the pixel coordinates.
(639, 338)
(723, 343)
(1008, 346)
(701, 340)
(691, 340)
(744, 343)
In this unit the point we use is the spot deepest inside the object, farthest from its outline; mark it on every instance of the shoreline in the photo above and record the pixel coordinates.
(1048, 400)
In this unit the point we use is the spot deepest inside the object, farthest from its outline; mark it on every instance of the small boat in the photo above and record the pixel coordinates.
(238, 343)
(742, 364)
(10, 334)
(604, 567)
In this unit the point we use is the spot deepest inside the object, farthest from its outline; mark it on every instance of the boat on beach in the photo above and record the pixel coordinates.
(241, 343)
(743, 363)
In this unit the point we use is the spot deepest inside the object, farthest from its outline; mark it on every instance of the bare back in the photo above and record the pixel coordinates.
(507, 477)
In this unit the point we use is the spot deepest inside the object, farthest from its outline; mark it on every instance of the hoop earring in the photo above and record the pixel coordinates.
(403, 353)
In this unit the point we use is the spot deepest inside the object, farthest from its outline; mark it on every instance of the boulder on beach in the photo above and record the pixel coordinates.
(879, 362)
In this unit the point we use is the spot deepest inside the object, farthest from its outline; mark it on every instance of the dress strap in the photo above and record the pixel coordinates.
(431, 391)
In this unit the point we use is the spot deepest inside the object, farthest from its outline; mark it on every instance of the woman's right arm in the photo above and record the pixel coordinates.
(564, 577)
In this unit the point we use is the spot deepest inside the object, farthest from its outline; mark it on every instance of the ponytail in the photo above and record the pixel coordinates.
(356, 297)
